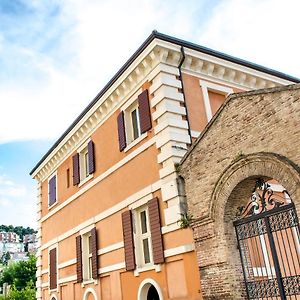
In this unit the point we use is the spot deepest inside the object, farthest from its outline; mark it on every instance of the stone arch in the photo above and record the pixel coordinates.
(232, 190)
(89, 292)
(263, 164)
(145, 286)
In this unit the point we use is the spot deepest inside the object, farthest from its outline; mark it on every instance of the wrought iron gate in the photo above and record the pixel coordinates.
(269, 245)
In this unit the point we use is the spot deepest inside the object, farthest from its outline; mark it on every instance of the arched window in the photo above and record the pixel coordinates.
(149, 290)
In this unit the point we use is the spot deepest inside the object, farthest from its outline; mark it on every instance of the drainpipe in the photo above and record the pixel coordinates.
(184, 99)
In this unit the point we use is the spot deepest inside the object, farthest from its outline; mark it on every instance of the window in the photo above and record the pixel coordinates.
(87, 257)
(134, 120)
(143, 244)
(213, 96)
(83, 163)
(52, 190)
(142, 237)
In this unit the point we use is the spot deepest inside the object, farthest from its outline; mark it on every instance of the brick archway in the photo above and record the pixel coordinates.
(221, 272)
(262, 164)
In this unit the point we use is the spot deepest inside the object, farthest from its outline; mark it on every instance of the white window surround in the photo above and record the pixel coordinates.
(89, 291)
(53, 297)
(85, 180)
(132, 122)
(136, 141)
(144, 287)
(82, 151)
(209, 86)
(127, 108)
(55, 246)
(56, 196)
(137, 271)
(86, 267)
(139, 237)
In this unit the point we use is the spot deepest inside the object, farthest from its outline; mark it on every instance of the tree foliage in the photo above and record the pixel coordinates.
(28, 293)
(5, 258)
(21, 277)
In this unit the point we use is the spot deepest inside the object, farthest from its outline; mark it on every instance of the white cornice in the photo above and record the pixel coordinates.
(156, 52)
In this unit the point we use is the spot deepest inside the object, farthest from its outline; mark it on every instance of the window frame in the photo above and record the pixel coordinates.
(217, 88)
(129, 126)
(127, 108)
(87, 270)
(86, 257)
(56, 190)
(84, 175)
(139, 237)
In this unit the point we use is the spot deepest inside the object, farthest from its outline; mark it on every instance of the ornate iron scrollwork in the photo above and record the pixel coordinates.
(262, 199)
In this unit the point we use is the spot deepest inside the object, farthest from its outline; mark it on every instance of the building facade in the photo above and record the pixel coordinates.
(109, 200)
(9, 237)
(246, 205)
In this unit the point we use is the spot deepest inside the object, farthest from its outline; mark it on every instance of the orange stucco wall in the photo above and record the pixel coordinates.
(195, 103)
(178, 277)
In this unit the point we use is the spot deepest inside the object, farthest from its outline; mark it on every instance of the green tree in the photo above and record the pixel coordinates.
(5, 258)
(21, 277)
(8, 275)
(27, 293)
(24, 273)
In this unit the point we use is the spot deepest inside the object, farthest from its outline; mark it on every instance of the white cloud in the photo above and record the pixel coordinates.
(17, 203)
(70, 61)
(5, 203)
(262, 31)
(96, 40)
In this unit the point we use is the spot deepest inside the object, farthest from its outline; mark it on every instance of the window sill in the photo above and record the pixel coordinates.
(52, 205)
(137, 271)
(82, 182)
(89, 281)
(53, 290)
(136, 141)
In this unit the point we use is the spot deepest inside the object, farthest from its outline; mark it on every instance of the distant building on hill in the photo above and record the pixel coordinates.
(9, 237)
(29, 238)
(11, 247)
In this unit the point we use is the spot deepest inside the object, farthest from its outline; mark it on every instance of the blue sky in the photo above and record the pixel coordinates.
(56, 55)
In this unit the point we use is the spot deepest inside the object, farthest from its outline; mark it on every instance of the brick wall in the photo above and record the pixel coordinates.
(254, 134)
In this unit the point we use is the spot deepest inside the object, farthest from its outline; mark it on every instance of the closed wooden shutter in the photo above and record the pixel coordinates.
(76, 176)
(121, 131)
(94, 253)
(79, 259)
(155, 227)
(128, 240)
(52, 190)
(91, 156)
(53, 269)
(144, 111)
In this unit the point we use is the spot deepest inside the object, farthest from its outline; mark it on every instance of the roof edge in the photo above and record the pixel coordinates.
(167, 38)
(230, 98)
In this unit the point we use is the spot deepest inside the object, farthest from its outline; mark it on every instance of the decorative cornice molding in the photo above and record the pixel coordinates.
(157, 52)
